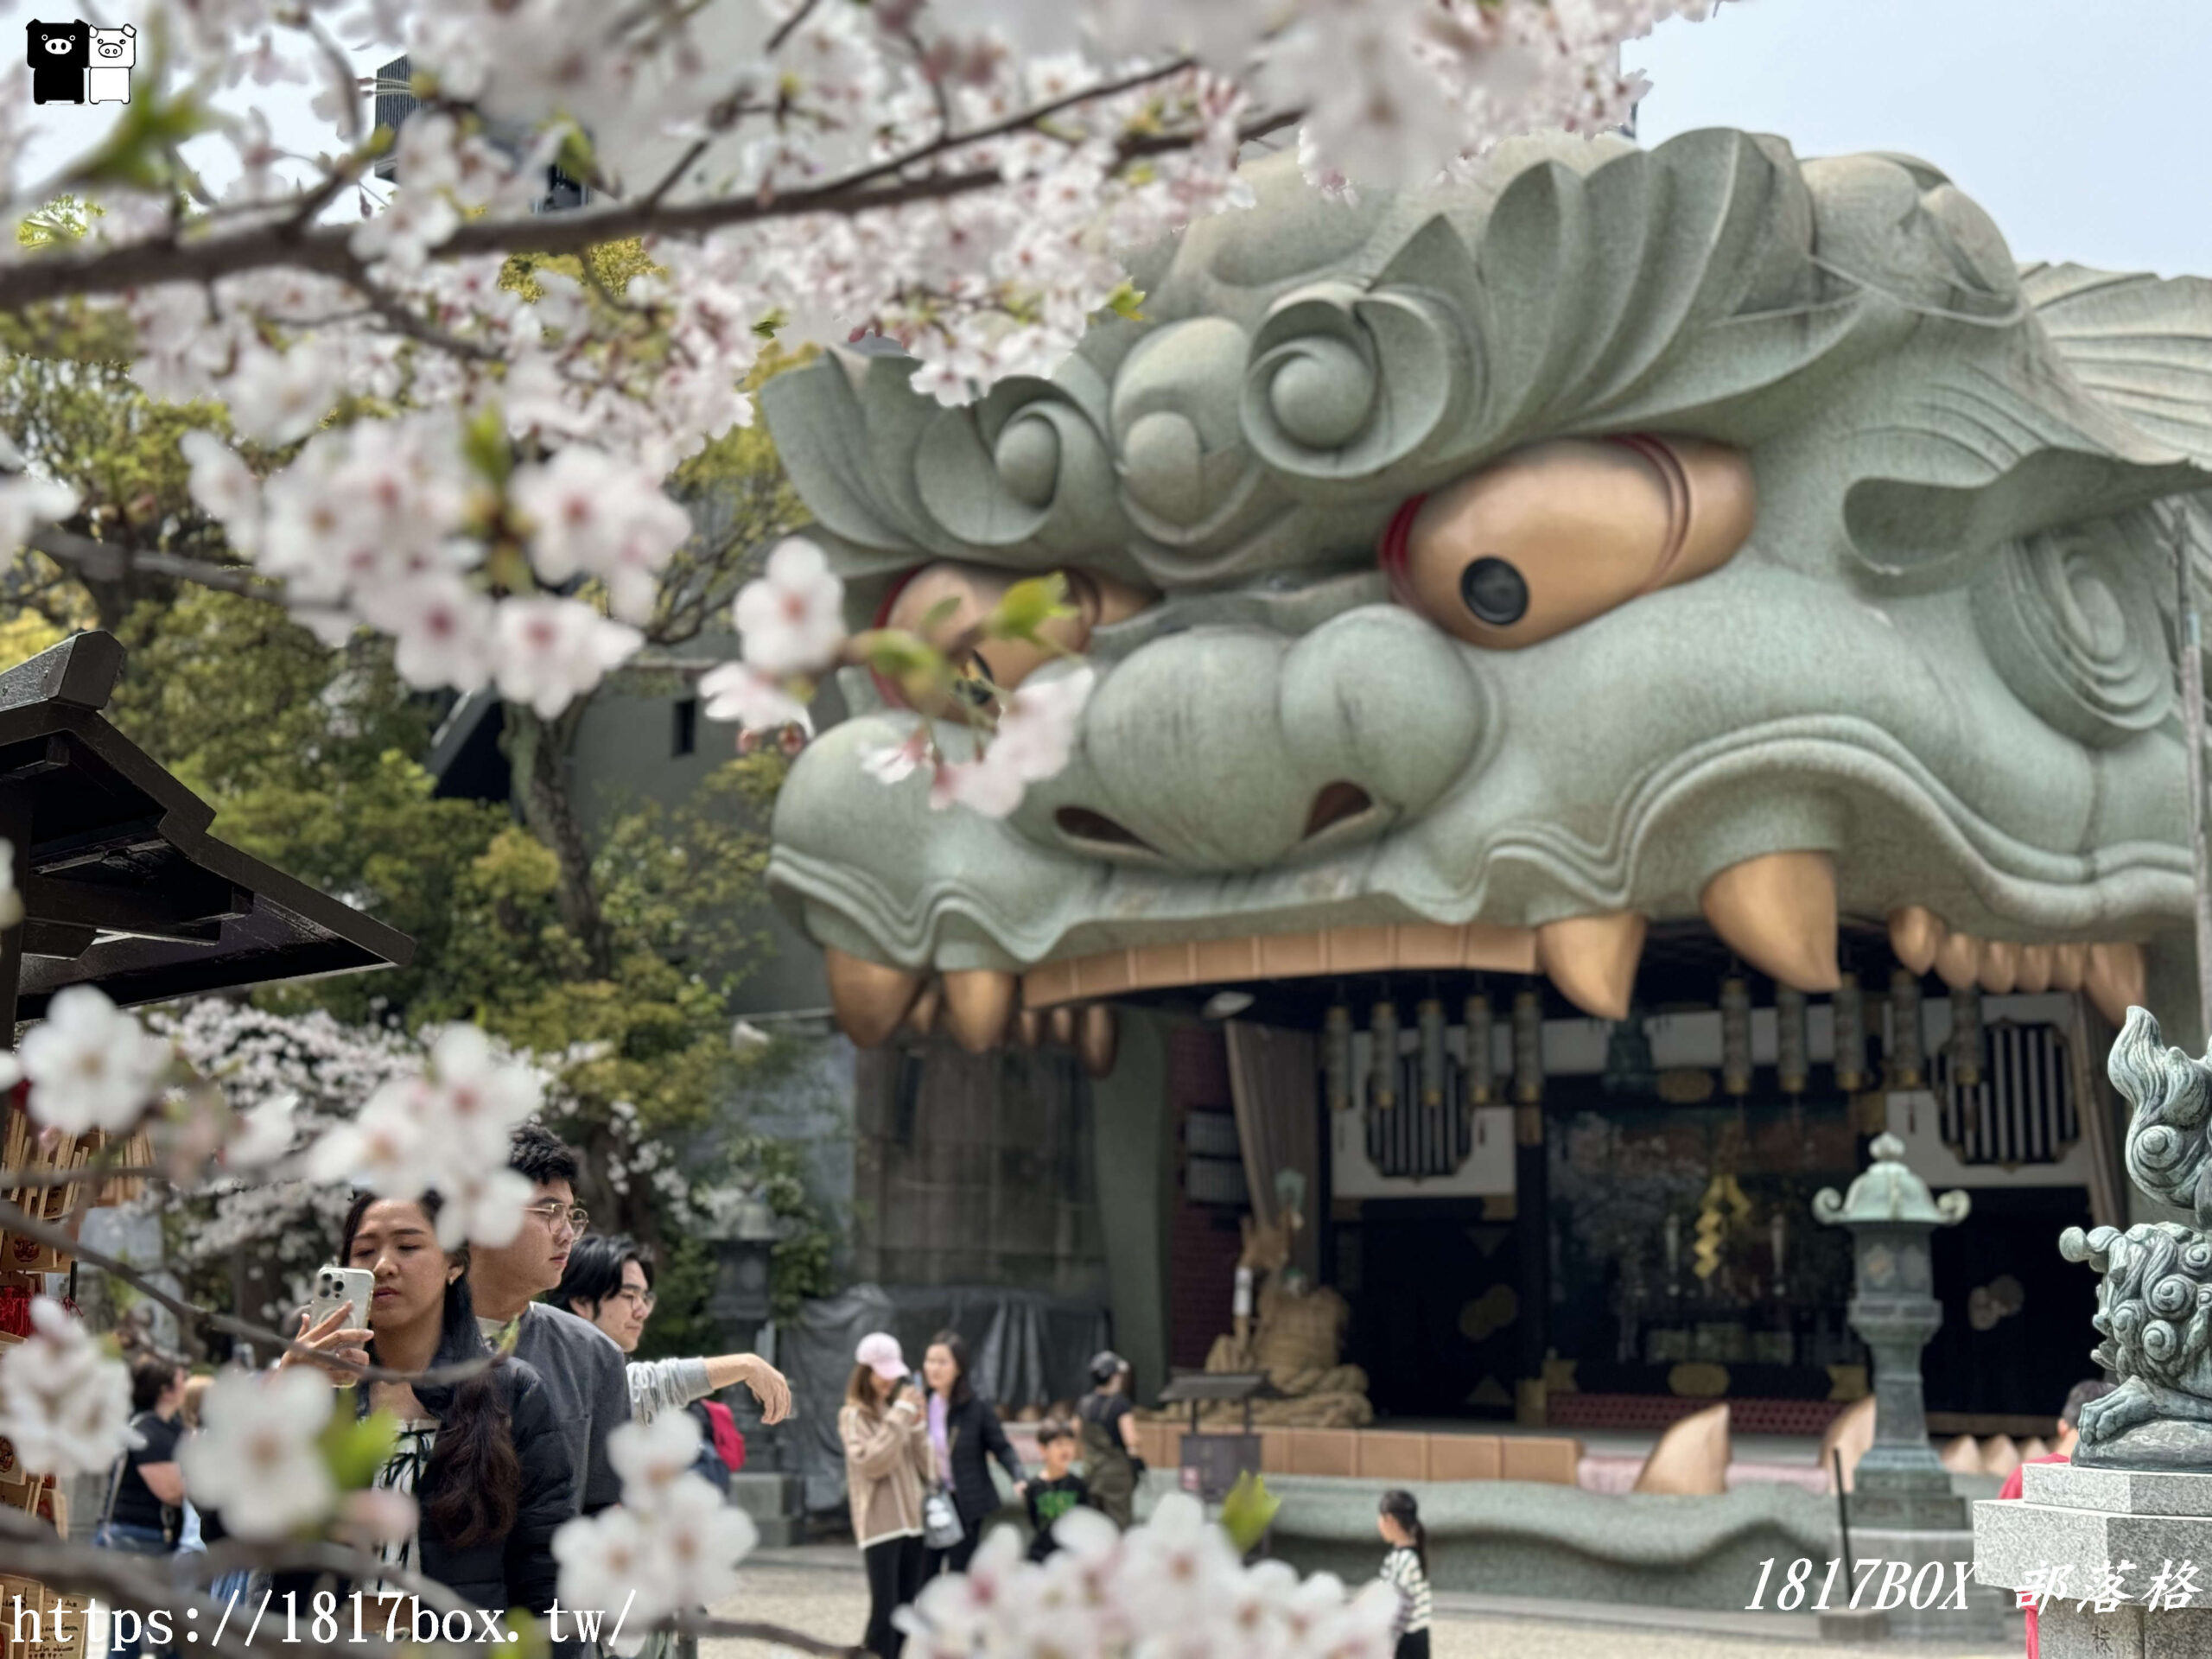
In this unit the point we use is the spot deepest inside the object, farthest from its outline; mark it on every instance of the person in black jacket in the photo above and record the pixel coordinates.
(963, 1429)
(482, 1457)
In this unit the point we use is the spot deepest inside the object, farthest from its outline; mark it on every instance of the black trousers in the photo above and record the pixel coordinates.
(955, 1559)
(1413, 1644)
(894, 1576)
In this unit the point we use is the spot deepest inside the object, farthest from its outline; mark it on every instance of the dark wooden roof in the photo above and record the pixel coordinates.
(123, 887)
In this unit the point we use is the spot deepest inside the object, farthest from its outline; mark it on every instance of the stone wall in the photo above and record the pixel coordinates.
(976, 1170)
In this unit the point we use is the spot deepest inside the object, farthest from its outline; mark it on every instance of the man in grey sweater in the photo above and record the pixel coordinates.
(609, 1282)
(581, 1367)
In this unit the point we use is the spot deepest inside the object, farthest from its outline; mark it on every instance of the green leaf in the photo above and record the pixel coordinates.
(529, 1641)
(484, 444)
(576, 158)
(136, 151)
(1027, 606)
(1249, 1510)
(938, 614)
(895, 653)
(768, 326)
(1127, 301)
(353, 1448)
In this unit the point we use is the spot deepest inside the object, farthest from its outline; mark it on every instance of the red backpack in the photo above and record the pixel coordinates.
(729, 1445)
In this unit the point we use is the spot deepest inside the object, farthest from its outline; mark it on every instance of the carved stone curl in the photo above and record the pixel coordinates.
(2154, 1307)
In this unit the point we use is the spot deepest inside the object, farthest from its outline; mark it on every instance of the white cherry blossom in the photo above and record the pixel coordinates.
(26, 501)
(548, 651)
(792, 617)
(91, 1065)
(756, 701)
(256, 1457)
(263, 1135)
(278, 397)
(64, 1405)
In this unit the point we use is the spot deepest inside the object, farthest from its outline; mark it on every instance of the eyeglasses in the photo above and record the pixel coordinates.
(553, 1212)
(642, 1301)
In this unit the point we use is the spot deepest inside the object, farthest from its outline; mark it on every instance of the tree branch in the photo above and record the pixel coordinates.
(113, 561)
(37, 1551)
(327, 250)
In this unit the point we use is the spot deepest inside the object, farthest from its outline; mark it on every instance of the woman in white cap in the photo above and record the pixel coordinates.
(887, 1458)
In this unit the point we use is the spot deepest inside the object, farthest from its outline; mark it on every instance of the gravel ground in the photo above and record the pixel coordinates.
(831, 1603)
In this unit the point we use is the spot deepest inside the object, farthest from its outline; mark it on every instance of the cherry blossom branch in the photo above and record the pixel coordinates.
(327, 250)
(37, 1551)
(790, 26)
(112, 560)
(752, 1630)
(14, 1219)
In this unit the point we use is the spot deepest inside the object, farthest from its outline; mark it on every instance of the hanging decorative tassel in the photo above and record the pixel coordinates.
(1428, 1014)
(1849, 1008)
(1482, 1069)
(1906, 1056)
(1965, 1045)
(1382, 1032)
(1792, 1061)
(1736, 1035)
(1527, 1048)
(1336, 1057)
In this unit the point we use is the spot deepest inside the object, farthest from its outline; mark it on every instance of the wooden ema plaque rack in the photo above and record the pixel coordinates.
(123, 888)
(24, 1264)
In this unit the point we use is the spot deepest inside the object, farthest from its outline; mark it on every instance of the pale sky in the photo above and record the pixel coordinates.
(2081, 125)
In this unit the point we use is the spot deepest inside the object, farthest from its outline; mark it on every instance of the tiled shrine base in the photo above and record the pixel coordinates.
(2086, 1522)
(2126, 1632)
(1930, 1575)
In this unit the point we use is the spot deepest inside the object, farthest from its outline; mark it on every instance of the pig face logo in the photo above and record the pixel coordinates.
(115, 51)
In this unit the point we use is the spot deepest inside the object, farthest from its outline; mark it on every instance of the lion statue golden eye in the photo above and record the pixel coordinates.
(919, 605)
(1562, 531)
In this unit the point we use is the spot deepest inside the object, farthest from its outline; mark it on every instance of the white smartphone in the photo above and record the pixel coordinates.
(334, 1287)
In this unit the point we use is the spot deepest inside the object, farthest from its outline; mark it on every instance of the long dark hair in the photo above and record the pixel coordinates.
(1401, 1507)
(474, 1475)
(962, 1391)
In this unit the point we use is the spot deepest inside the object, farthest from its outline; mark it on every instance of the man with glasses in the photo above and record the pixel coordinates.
(580, 1364)
(610, 1282)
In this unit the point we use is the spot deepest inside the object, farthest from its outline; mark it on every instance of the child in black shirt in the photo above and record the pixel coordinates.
(1056, 1491)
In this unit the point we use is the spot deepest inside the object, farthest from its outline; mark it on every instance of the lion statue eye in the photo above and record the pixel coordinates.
(1494, 592)
(1560, 532)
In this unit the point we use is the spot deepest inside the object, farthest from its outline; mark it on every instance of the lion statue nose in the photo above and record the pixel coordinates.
(1238, 749)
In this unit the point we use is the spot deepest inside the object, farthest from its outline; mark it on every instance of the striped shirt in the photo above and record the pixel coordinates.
(1401, 1568)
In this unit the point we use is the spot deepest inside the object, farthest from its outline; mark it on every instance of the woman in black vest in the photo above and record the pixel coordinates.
(1106, 1419)
(482, 1457)
(964, 1430)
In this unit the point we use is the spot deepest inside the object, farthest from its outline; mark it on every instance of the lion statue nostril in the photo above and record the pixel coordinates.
(1335, 803)
(1084, 824)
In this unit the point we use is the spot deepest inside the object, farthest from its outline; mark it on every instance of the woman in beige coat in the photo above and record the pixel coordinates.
(888, 1459)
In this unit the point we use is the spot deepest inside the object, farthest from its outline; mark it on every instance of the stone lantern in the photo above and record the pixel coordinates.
(1902, 1508)
(740, 1303)
(1900, 1482)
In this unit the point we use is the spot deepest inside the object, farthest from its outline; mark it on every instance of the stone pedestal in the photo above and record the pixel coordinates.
(2086, 1522)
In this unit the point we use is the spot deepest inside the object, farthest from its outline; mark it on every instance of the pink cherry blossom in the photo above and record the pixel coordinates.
(792, 617)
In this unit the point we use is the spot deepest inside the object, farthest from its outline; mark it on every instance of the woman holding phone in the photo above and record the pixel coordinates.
(888, 1457)
(482, 1457)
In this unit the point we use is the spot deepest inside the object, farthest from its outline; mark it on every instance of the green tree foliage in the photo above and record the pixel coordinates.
(618, 949)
